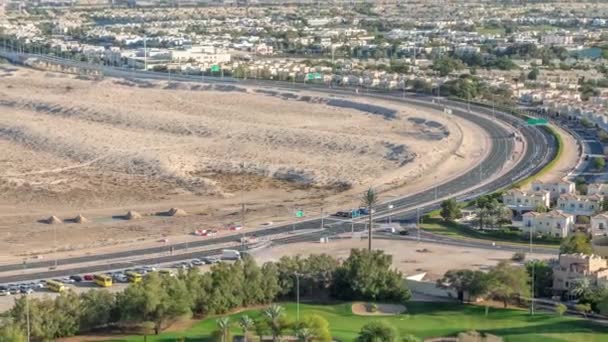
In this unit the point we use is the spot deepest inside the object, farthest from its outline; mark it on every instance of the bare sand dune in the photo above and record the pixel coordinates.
(97, 147)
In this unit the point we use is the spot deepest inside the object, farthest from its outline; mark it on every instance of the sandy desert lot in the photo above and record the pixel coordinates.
(99, 148)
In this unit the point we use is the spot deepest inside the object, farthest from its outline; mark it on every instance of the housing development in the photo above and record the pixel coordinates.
(267, 170)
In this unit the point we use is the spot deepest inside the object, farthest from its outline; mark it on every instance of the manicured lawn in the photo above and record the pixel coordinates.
(455, 230)
(491, 30)
(428, 320)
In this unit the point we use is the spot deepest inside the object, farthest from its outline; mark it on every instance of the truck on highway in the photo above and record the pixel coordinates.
(231, 254)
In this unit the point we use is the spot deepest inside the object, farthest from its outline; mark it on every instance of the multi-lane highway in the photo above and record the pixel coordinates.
(541, 148)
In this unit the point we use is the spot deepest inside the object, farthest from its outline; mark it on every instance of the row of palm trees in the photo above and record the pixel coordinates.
(273, 318)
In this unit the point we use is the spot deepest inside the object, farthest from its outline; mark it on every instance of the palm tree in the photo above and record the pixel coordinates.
(580, 286)
(304, 334)
(369, 199)
(273, 315)
(224, 325)
(246, 324)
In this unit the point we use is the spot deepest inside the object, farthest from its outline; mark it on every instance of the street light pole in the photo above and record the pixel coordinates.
(390, 211)
(533, 276)
(297, 296)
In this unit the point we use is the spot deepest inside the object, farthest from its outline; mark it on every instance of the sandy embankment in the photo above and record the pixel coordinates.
(101, 148)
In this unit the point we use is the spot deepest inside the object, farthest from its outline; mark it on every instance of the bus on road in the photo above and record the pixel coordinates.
(133, 277)
(103, 280)
(55, 286)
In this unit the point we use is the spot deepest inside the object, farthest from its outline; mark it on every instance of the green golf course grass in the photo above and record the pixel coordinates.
(424, 320)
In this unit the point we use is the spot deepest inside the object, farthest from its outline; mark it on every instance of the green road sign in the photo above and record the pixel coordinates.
(536, 122)
(300, 213)
(314, 76)
(215, 67)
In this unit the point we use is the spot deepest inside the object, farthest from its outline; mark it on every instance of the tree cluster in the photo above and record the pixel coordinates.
(161, 299)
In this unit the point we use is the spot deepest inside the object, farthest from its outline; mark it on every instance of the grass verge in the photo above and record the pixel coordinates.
(455, 230)
(424, 320)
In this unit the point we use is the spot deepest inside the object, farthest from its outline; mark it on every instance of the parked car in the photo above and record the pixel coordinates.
(196, 262)
(404, 232)
(13, 290)
(4, 293)
(88, 277)
(26, 290)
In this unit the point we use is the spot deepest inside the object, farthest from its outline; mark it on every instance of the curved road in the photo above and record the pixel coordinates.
(541, 149)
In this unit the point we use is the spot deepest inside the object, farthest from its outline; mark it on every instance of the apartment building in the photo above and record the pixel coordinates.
(573, 267)
(579, 205)
(554, 223)
(555, 188)
(519, 200)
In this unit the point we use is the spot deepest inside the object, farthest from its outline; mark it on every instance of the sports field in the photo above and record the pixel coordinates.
(424, 320)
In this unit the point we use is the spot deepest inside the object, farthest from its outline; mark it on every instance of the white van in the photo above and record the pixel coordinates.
(230, 254)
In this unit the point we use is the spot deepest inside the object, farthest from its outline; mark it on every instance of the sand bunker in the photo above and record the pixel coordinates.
(362, 309)
(132, 215)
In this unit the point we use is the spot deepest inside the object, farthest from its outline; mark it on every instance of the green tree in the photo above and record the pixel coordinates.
(377, 331)
(474, 282)
(446, 65)
(368, 275)
(507, 281)
(246, 325)
(96, 309)
(450, 210)
(560, 309)
(261, 328)
(369, 200)
(410, 338)
(576, 243)
(599, 163)
(543, 277)
(317, 328)
(11, 333)
(533, 74)
(602, 305)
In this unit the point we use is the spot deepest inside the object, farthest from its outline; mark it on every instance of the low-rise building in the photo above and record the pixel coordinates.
(579, 205)
(519, 200)
(573, 267)
(554, 223)
(597, 189)
(555, 188)
(599, 224)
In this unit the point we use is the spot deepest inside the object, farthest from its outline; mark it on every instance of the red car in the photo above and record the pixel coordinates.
(88, 277)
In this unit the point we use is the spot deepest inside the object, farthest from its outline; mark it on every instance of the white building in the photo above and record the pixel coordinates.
(597, 189)
(579, 205)
(599, 224)
(202, 55)
(555, 188)
(557, 39)
(554, 223)
(516, 199)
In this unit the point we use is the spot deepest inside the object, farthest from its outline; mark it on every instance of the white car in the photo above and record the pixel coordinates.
(4, 293)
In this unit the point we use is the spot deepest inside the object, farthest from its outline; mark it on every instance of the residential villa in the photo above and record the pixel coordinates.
(577, 266)
(599, 224)
(554, 223)
(597, 189)
(519, 200)
(579, 205)
(555, 188)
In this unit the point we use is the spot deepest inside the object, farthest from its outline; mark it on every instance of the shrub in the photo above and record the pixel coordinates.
(560, 309)
(519, 256)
